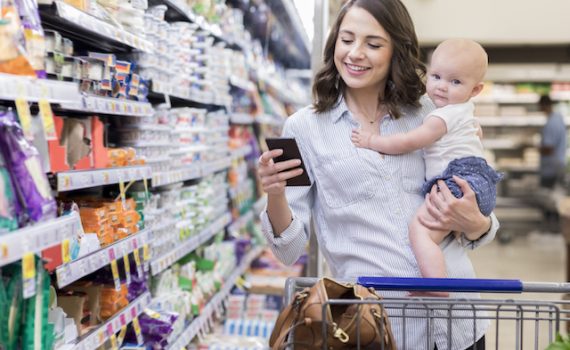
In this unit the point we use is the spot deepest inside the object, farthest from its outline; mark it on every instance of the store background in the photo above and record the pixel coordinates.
(148, 128)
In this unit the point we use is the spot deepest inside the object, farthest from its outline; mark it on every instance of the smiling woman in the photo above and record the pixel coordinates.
(361, 201)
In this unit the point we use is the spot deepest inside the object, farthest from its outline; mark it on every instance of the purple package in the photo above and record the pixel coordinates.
(23, 163)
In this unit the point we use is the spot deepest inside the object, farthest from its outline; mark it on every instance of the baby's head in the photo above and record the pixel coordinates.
(456, 71)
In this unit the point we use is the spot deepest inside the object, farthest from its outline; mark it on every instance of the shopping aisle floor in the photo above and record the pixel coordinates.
(536, 257)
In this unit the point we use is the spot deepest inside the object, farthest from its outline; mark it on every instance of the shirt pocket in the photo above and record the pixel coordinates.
(344, 180)
(412, 168)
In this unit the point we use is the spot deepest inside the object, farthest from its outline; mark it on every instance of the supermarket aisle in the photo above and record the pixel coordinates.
(534, 257)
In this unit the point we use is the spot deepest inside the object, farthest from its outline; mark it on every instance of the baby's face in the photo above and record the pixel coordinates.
(451, 80)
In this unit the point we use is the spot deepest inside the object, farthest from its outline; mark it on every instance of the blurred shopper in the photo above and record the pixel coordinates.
(552, 146)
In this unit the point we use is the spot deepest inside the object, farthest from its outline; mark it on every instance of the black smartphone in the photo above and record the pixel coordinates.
(290, 151)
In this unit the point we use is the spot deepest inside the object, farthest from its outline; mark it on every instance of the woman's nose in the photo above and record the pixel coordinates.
(356, 52)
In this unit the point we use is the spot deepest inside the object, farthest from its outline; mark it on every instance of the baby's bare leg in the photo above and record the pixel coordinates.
(425, 244)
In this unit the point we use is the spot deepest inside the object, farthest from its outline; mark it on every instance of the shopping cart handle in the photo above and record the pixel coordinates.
(442, 284)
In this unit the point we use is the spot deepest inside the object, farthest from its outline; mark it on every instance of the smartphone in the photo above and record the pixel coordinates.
(290, 151)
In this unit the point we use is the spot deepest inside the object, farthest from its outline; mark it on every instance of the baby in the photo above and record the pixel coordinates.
(450, 137)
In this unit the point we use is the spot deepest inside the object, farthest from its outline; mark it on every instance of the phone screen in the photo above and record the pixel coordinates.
(290, 151)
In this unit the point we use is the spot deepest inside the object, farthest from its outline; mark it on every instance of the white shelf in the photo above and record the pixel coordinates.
(241, 118)
(97, 26)
(242, 83)
(527, 98)
(169, 177)
(259, 205)
(560, 95)
(92, 262)
(108, 105)
(240, 222)
(240, 152)
(189, 94)
(161, 263)
(216, 166)
(34, 239)
(74, 180)
(215, 304)
(516, 121)
(32, 89)
(270, 120)
(99, 336)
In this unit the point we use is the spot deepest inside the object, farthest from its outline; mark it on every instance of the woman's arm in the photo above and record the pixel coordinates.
(432, 129)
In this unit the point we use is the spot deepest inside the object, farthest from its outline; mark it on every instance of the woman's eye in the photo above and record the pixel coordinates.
(346, 41)
(373, 46)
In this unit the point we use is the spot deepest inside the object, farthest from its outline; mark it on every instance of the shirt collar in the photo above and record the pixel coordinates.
(339, 110)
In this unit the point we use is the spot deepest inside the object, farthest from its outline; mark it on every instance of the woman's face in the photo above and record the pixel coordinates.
(363, 51)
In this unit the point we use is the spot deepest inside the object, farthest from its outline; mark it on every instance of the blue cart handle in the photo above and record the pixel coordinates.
(461, 285)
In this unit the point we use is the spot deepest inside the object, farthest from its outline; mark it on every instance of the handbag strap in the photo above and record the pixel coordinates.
(285, 321)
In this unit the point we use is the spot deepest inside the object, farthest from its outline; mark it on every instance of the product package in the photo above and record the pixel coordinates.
(33, 34)
(8, 218)
(13, 58)
(24, 165)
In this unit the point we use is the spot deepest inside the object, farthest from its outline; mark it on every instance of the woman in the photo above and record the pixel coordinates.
(362, 201)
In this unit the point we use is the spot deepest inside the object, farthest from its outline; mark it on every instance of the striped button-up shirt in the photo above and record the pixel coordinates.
(362, 203)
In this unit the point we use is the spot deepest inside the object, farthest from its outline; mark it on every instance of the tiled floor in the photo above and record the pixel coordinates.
(537, 257)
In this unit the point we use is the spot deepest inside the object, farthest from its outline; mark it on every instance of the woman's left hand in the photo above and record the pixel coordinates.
(455, 214)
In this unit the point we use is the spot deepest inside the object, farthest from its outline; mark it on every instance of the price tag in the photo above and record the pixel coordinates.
(137, 328)
(122, 334)
(23, 109)
(123, 194)
(127, 268)
(4, 251)
(138, 263)
(146, 194)
(29, 275)
(47, 119)
(146, 252)
(115, 271)
(65, 251)
(113, 339)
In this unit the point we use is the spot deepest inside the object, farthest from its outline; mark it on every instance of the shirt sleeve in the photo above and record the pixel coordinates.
(291, 243)
(485, 238)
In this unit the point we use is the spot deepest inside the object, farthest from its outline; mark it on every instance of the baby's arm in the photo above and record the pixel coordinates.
(432, 129)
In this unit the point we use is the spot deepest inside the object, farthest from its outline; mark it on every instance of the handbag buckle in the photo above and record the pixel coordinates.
(341, 335)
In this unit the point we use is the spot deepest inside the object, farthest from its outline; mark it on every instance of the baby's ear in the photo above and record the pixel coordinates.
(477, 89)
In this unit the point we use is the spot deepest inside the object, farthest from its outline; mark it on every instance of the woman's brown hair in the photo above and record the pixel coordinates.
(404, 86)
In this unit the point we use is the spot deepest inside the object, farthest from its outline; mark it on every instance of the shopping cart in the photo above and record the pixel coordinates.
(515, 324)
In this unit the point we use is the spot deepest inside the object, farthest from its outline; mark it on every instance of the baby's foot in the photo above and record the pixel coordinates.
(360, 138)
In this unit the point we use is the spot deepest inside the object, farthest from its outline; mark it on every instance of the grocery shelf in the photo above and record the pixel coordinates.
(560, 95)
(525, 98)
(85, 265)
(241, 118)
(215, 304)
(101, 334)
(32, 89)
(240, 222)
(259, 205)
(33, 239)
(240, 152)
(242, 83)
(81, 26)
(78, 179)
(161, 263)
(108, 105)
(215, 166)
(179, 11)
(163, 178)
(519, 121)
(195, 97)
(270, 120)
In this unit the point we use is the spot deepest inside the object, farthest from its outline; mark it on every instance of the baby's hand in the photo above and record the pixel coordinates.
(360, 138)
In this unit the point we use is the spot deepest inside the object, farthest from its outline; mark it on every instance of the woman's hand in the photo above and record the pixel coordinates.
(455, 214)
(274, 176)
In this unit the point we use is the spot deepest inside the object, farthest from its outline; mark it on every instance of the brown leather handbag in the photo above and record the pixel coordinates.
(300, 323)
